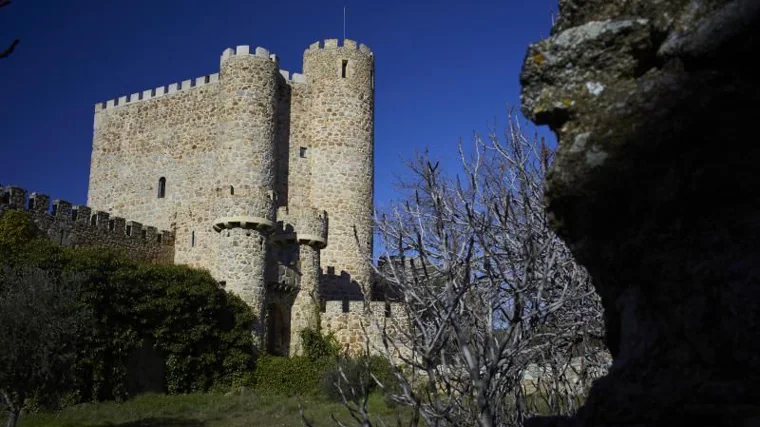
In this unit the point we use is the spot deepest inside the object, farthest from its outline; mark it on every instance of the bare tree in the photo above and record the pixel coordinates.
(39, 319)
(7, 51)
(492, 296)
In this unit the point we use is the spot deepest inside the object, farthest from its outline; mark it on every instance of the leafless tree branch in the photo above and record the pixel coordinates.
(499, 321)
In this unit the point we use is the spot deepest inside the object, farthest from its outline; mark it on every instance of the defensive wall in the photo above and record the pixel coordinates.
(75, 225)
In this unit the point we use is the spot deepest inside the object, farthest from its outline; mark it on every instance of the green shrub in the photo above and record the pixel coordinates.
(358, 372)
(317, 346)
(201, 332)
(289, 376)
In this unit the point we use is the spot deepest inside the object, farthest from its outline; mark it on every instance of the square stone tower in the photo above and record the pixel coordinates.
(246, 166)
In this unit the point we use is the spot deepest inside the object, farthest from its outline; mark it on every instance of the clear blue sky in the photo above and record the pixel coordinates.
(443, 69)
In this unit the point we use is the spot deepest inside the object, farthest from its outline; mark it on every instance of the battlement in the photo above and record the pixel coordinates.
(293, 78)
(157, 92)
(245, 50)
(330, 44)
(359, 307)
(77, 225)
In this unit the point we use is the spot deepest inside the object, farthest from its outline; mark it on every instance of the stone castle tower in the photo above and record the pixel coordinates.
(245, 167)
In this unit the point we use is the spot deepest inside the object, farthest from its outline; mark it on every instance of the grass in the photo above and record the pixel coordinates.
(202, 410)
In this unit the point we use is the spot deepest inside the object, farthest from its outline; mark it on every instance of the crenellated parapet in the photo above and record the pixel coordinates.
(360, 307)
(245, 50)
(330, 44)
(157, 92)
(76, 225)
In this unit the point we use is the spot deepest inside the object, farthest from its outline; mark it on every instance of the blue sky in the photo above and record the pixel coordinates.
(443, 69)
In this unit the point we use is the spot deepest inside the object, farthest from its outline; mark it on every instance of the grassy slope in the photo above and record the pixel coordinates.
(201, 410)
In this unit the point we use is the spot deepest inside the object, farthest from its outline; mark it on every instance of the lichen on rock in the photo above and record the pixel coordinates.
(650, 101)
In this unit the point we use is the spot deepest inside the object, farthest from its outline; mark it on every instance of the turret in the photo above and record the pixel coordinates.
(245, 202)
(311, 233)
(341, 135)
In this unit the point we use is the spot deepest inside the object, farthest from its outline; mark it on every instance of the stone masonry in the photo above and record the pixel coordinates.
(245, 166)
(73, 226)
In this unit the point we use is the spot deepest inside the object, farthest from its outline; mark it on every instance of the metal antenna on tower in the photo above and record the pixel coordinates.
(344, 22)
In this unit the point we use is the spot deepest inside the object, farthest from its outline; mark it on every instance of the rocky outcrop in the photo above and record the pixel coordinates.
(655, 190)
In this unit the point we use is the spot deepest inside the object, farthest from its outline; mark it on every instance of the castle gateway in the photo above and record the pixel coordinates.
(265, 179)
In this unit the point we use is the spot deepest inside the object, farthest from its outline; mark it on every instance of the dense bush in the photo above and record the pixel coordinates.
(199, 332)
(202, 331)
(289, 376)
(358, 374)
(318, 346)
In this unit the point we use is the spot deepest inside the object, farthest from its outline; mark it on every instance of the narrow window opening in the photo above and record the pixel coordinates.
(387, 309)
(302, 152)
(129, 230)
(192, 239)
(232, 190)
(345, 304)
(161, 187)
(343, 69)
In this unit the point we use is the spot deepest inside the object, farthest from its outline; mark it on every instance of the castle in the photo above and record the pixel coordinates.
(262, 177)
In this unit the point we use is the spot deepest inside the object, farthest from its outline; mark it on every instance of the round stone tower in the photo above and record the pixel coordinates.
(245, 175)
(341, 134)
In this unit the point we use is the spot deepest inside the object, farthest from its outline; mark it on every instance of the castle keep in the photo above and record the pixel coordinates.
(263, 177)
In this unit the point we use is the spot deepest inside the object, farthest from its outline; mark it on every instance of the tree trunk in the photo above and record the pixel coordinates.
(13, 414)
(13, 410)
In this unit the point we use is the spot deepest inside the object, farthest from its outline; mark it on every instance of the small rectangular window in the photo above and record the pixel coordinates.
(387, 309)
(192, 239)
(343, 70)
(302, 152)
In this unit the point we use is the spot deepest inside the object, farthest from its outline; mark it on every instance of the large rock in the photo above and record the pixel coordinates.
(656, 189)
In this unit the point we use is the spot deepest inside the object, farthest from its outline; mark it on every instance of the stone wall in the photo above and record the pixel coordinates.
(171, 134)
(349, 320)
(73, 226)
